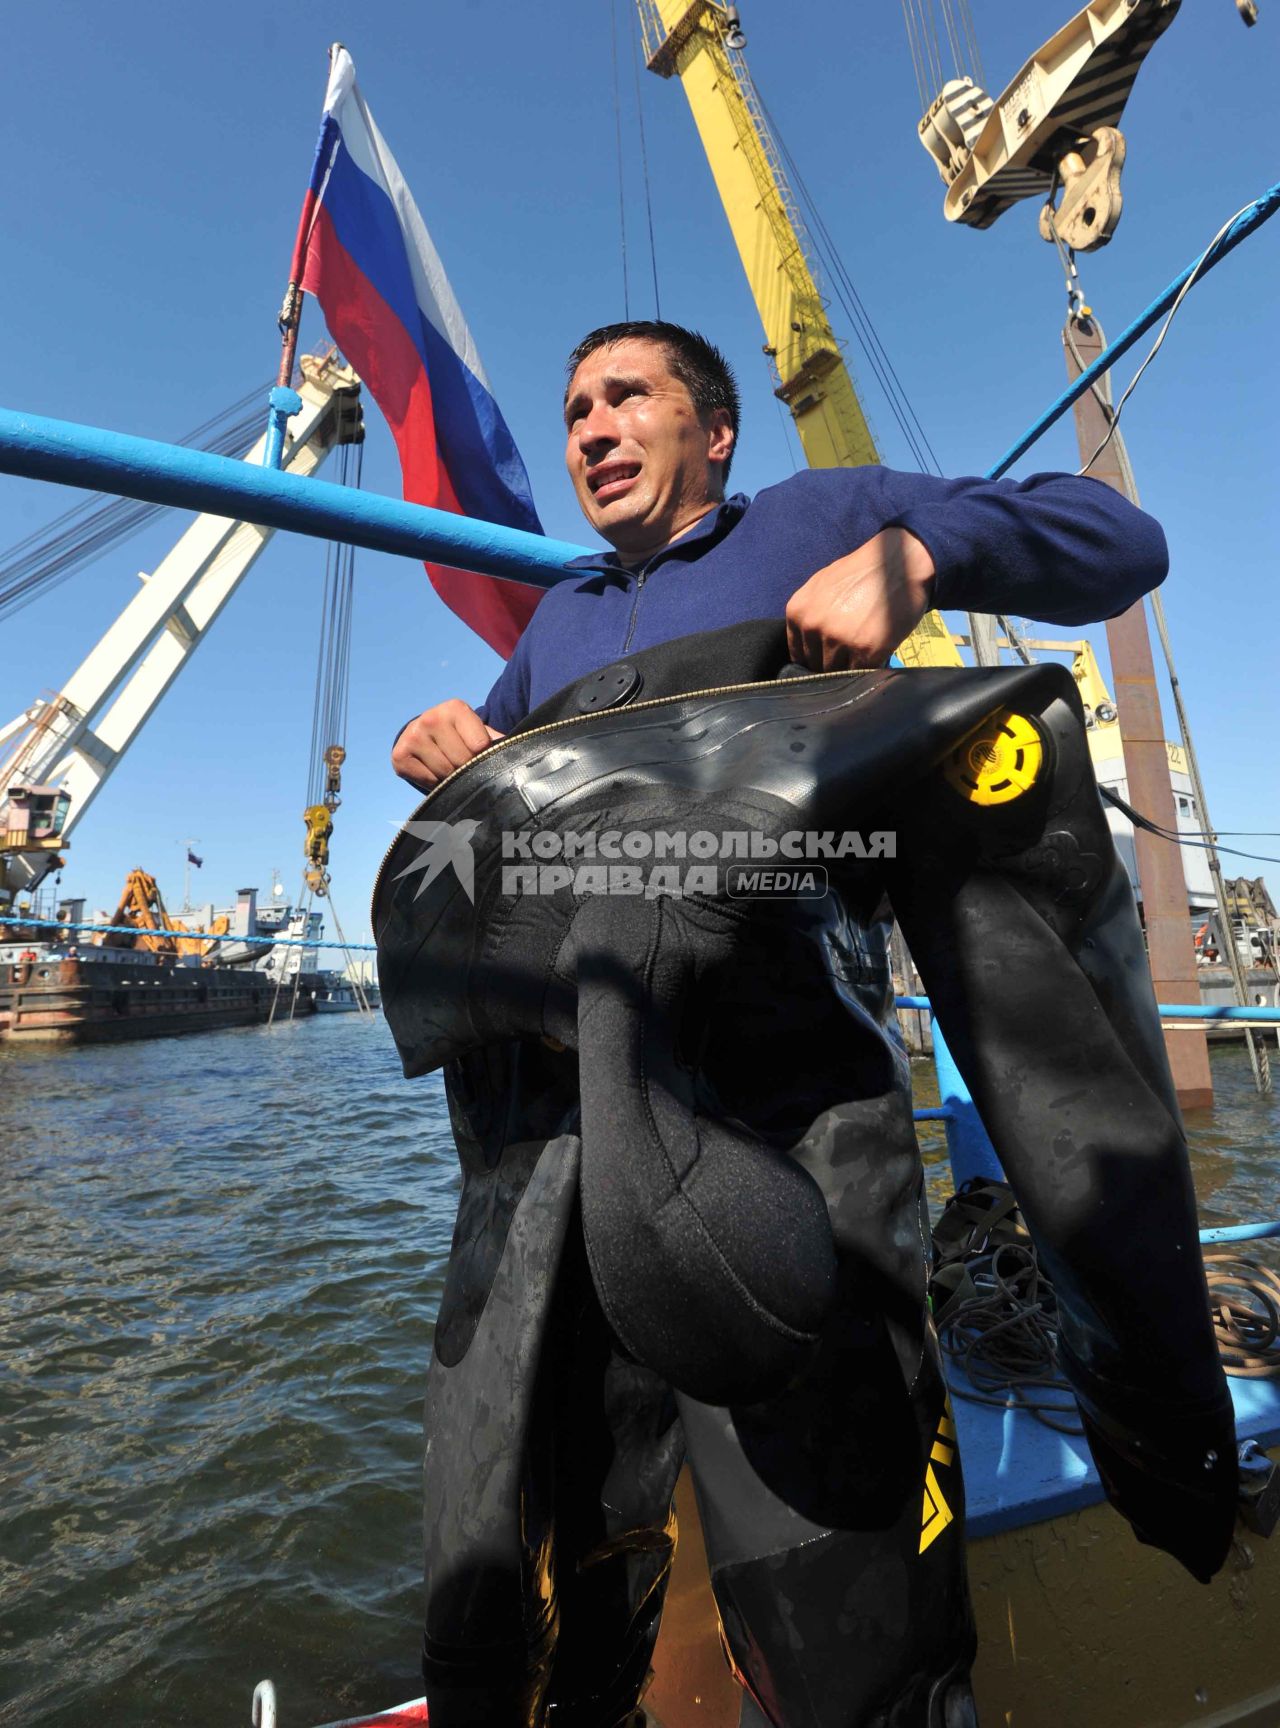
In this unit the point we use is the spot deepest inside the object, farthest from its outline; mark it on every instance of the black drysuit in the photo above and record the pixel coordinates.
(692, 1217)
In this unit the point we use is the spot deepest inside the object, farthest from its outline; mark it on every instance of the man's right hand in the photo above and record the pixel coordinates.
(438, 741)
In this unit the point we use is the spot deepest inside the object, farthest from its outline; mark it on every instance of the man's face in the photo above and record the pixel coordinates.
(637, 451)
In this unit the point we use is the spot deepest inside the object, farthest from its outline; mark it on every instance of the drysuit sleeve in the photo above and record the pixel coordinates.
(1057, 547)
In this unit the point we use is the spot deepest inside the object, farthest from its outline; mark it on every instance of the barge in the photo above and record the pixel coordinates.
(62, 993)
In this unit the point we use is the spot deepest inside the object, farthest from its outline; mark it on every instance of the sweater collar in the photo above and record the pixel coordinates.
(692, 544)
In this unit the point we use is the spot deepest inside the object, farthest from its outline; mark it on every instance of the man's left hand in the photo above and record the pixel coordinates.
(856, 611)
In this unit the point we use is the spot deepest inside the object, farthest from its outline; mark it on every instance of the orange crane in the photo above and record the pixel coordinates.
(143, 909)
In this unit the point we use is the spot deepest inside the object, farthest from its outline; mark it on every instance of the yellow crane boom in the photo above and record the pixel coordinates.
(691, 40)
(686, 39)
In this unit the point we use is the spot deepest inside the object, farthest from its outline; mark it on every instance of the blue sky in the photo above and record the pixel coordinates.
(157, 158)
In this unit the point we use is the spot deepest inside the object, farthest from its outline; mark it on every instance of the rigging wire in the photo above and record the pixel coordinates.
(617, 126)
(41, 560)
(788, 427)
(850, 301)
(1192, 277)
(644, 164)
(928, 29)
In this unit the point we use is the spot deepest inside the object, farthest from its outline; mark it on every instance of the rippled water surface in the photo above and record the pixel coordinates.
(220, 1258)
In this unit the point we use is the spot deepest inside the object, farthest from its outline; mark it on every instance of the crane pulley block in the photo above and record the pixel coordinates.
(334, 757)
(319, 821)
(350, 416)
(1055, 124)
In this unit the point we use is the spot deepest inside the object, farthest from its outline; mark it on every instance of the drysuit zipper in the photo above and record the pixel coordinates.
(578, 719)
(635, 612)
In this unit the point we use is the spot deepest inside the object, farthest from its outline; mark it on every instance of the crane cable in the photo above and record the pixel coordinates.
(644, 167)
(926, 48)
(333, 665)
(617, 127)
(847, 295)
(330, 708)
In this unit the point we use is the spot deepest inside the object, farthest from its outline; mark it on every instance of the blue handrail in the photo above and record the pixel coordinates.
(73, 455)
(969, 1145)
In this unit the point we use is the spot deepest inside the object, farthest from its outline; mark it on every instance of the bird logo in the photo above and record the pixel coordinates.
(446, 843)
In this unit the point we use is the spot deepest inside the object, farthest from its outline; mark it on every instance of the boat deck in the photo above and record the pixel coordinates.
(1017, 1471)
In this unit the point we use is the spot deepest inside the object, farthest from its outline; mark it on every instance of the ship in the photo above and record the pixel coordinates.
(68, 988)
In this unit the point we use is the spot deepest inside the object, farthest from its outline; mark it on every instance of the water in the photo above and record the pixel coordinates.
(221, 1257)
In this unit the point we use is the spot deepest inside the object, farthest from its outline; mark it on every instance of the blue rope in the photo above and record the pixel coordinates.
(186, 935)
(1258, 212)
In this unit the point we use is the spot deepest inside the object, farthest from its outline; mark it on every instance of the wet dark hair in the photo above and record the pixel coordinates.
(697, 363)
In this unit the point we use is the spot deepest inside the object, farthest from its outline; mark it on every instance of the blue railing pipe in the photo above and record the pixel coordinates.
(968, 1142)
(102, 461)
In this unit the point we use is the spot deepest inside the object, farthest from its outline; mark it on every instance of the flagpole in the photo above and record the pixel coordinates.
(284, 400)
(186, 874)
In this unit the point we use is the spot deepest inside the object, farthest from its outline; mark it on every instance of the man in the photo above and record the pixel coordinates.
(853, 557)
(552, 1450)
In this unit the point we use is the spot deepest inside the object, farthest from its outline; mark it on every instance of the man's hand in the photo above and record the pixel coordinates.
(437, 742)
(856, 611)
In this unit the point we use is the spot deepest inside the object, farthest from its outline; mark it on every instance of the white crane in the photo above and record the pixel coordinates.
(57, 755)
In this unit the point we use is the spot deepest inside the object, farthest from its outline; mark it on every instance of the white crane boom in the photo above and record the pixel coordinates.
(65, 747)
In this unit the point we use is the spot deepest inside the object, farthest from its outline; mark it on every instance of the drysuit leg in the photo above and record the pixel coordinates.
(551, 1459)
(820, 1441)
(834, 1514)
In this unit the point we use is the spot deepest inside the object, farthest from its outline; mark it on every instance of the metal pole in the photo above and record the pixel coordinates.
(1257, 1050)
(1170, 949)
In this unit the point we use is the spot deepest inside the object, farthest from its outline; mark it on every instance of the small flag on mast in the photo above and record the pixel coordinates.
(192, 859)
(364, 252)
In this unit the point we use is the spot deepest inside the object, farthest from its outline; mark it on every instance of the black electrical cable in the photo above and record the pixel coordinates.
(1140, 821)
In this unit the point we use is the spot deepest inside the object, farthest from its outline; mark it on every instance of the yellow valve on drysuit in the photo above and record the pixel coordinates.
(998, 761)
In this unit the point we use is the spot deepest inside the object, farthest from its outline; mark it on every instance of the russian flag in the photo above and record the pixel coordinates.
(364, 252)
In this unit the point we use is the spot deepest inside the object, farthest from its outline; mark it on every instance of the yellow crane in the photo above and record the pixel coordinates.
(700, 42)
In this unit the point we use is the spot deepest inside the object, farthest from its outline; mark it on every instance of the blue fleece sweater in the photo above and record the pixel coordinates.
(1054, 547)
